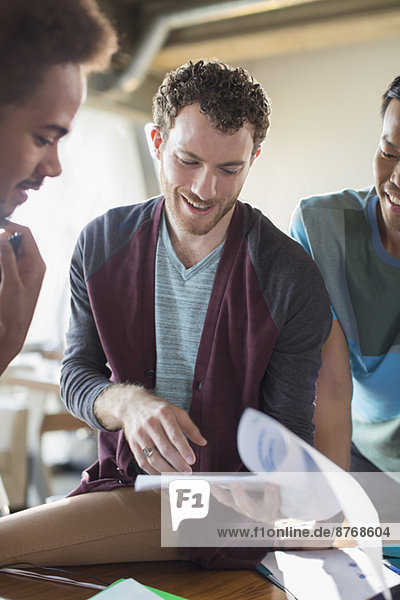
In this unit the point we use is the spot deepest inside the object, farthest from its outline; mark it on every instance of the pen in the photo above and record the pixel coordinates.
(391, 567)
(15, 241)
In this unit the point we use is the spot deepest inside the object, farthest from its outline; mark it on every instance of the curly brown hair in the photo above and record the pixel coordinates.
(38, 34)
(227, 96)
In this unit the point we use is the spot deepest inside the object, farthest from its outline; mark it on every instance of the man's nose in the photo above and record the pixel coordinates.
(50, 165)
(395, 176)
(204, 184)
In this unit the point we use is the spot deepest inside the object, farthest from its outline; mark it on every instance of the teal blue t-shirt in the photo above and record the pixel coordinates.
(340, 232)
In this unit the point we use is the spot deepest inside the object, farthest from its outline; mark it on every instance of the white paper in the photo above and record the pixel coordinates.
(126, 590)
(329, 574)
(265, 444)
(154, 482)
(147, 482)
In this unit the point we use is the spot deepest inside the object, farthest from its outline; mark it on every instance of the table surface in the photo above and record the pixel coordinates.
(181, 578)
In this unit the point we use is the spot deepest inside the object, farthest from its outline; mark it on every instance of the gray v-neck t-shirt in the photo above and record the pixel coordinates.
(181, 302)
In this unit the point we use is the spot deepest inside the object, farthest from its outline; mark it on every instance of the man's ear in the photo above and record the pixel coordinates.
(156, 139)
(255, 155)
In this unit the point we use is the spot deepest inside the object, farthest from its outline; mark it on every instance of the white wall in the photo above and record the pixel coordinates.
(101, 169)
(325, 123)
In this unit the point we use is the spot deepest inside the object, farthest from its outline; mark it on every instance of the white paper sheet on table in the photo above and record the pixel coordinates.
(330, 574)
(127, 588)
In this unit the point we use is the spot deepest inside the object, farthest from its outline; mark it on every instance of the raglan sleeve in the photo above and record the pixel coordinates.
(301, 310)
(84, 372)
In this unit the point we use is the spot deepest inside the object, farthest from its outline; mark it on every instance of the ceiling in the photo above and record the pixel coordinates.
(159, 35)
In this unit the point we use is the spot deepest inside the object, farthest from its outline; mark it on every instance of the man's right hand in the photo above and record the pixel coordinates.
(21, 280)
(149, 421)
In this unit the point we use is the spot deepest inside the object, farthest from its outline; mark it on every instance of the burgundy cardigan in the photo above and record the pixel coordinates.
(267, 318)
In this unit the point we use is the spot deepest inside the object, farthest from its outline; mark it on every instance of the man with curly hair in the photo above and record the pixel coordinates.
(47, 48)
(186, 309)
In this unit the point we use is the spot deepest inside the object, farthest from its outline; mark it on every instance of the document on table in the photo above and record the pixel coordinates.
(332, 574)
(130, 588)
(127, 588)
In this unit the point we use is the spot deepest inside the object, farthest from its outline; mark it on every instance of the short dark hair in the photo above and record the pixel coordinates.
(38, 34)
(227, 96)
(393, 91)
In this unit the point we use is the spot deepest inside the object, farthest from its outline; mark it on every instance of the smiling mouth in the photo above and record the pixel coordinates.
(393, 199)
(195, 205)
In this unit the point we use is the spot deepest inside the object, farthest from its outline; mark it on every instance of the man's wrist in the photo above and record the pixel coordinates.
(111, 404)
(103, 409)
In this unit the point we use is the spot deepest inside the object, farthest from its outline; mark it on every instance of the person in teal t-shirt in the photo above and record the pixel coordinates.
(354, 237)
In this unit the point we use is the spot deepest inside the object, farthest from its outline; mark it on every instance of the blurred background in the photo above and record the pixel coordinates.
(325, 65)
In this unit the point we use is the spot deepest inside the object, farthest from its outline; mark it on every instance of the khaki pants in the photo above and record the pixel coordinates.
(99, 527)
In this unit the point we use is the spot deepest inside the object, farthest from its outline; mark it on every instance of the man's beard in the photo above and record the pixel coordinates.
(191, 226)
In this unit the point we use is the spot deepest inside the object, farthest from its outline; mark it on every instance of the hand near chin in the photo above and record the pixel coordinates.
(21, 279)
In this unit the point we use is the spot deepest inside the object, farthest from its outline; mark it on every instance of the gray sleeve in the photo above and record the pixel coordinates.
(84, 371)
(289, 385)
(299, 304)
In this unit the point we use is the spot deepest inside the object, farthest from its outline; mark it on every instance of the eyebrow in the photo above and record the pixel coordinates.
(57, 129)
(389, 143)
(231, 163)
